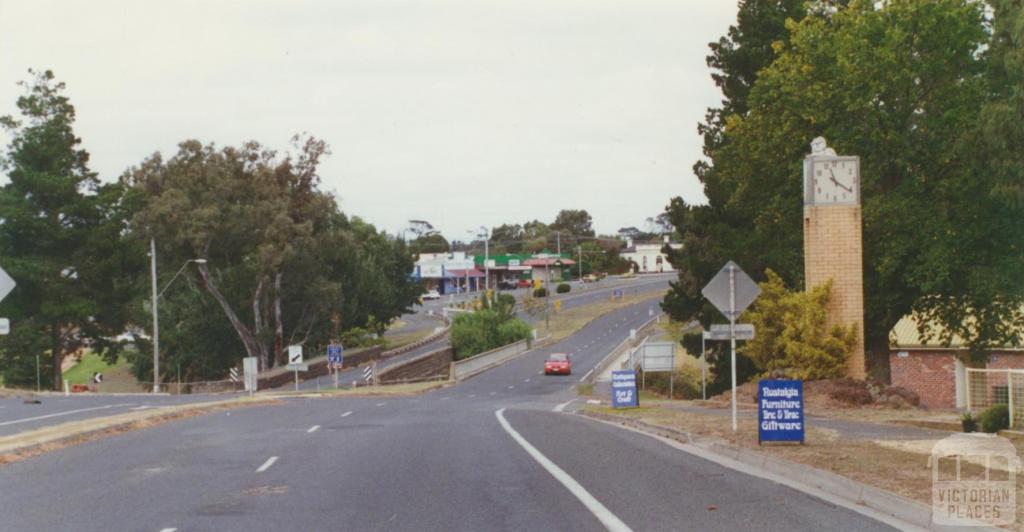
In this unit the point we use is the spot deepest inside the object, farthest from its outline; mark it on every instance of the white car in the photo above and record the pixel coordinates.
(432, 294)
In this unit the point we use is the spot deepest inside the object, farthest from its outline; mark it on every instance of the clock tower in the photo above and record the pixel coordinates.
(833, 241)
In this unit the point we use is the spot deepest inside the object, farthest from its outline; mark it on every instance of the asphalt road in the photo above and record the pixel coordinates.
(489, 454)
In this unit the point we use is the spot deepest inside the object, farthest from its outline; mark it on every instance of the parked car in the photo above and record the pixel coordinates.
(590, 278)
(431, 294)
(558, 364)
(507, 285)
(525, 283)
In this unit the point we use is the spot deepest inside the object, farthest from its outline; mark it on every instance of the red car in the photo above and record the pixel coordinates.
(558, 364)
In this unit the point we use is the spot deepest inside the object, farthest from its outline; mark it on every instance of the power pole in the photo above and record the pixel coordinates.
(579, 249)
(558, 236)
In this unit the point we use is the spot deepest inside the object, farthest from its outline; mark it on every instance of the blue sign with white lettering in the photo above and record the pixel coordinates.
(334, 353)
(780, 410)
(617, 293)
(624, 389)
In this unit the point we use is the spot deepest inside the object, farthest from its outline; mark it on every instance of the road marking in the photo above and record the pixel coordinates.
(607, 518)
(510, 386)
(346, 414)
(266, 465)
(472, 395)
(561, 407)
(313, 428)
(494, 393)
(593, 401)
(583, 378)
(23, 420)
(169, 530)
(527, 380)
(381, 404)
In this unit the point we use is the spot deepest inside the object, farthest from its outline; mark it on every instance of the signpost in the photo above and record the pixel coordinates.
(250, 368)
(659, 356)
(624, 389)
(335, 359)
(780, 410)
(720, 331)
(295, 362)
(731, 291)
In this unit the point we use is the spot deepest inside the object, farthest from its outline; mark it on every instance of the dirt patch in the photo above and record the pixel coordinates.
(35, 443)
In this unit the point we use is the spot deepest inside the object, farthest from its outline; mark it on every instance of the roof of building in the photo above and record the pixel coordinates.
(905, 334)
(460, 274)
(550, 261)
(501, 260)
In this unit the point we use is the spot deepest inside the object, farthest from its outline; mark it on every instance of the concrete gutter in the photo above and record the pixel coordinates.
(885, 506)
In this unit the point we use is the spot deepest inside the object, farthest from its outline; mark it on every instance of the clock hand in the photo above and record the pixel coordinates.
(838, 184)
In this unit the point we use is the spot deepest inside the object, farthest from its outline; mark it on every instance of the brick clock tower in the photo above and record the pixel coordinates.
(833, 242)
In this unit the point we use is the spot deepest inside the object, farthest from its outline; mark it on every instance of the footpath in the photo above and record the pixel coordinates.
(873, 458)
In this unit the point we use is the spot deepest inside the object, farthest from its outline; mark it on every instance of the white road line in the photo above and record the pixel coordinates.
(169, 530)
(381, 404)
(527, 380)
(313, 428)
(510, 386)
(583, 378)
(472, 395)
(562, 406)
(266, 465)
(69, 412)
(143, 407)
(346, 414)
(494, 393)
(603, 514)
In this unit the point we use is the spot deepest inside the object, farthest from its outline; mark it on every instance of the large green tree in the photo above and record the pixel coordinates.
(907, 86)
(60, 239)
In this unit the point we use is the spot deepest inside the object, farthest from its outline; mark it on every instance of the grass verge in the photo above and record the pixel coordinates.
(568, 322)
(411, 388)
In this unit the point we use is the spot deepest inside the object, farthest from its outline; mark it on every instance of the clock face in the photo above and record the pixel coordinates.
(833, 180)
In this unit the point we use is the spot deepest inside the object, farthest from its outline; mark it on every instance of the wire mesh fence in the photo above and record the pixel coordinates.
(988, 387)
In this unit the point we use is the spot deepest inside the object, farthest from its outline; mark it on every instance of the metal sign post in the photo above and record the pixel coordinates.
(731, 291)
(704, 365)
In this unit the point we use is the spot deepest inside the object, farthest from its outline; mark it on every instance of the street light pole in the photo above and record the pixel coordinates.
(156, 318)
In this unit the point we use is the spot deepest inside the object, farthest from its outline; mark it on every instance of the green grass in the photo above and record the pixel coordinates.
(82, 372)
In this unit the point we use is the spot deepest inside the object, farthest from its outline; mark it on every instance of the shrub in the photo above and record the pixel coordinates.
(995, 419)
(685, 385)
(481, 331)
(540, 292)
(563, 288)
(968, 422)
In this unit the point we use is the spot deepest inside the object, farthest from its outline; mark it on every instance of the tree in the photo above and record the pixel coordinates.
(903, 85)
(571, 224)
(508, 237)
(792, 337)
(60, 239)
(427, 239)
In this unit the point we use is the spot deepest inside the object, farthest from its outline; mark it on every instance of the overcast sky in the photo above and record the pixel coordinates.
(463, 113)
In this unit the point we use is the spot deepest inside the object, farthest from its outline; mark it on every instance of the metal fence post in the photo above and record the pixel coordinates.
(1009, 395)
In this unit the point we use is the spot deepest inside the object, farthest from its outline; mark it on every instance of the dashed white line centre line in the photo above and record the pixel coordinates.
(169, 530)
(346, 414)
(381, 404)
(472, 395)
(314, 428)
(494, 393)
(527, 380)
(266, 465)
(510, 386)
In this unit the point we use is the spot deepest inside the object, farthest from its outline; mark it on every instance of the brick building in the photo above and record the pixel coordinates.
(937, 373)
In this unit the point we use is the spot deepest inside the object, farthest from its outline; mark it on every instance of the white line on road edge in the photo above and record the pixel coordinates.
(346, 414)
(583, 378)
(60, 414)
(313, 428)
(266, 465)
(607, 518)
(745, 469)
(562, 406)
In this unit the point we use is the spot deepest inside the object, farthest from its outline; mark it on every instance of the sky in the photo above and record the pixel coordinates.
(464, 113)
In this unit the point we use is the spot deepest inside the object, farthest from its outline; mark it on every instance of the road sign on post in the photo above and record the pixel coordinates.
(295, 354)
(6, 285)
(250, 367)
(731, 291)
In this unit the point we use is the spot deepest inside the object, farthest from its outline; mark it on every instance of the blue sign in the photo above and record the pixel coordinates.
(780, 410)
(334, 353)
(617, 293)
(624, 389)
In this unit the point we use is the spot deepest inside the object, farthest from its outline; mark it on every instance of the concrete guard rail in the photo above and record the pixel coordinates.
(477, 364)
(644, 330)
